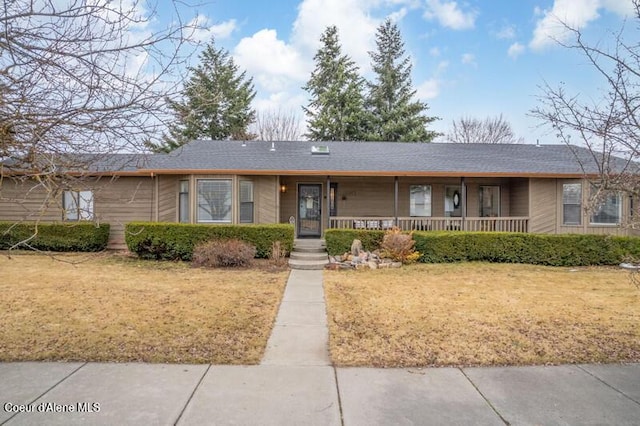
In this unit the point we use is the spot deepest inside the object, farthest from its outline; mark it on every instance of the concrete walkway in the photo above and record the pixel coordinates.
(300, 336)
(295, 385)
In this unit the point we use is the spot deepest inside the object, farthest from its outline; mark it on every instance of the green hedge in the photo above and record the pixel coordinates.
(538, 249)
(175, 241)
(78, 236)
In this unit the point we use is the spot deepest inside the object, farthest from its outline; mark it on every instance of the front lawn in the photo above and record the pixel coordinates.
(114, 308)
(482, 314)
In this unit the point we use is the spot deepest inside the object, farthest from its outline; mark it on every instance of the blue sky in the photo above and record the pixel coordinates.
(474, 58)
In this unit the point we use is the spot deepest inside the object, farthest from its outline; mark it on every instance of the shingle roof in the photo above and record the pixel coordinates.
(384, 158)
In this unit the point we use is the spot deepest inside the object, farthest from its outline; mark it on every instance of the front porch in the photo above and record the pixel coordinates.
(493, 224)
(315, 204)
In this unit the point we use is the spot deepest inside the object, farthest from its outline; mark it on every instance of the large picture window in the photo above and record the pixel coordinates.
(78, 205)
(214, 200)
(572, 204)
(246, 201)
(420, 200)
(609, 211)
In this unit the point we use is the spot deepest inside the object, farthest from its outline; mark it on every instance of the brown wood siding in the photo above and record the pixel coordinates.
(265, 197)
(29, 201)
(123, 200)
(168, 188)
(543, 206)
(117, 201)
(519, 197)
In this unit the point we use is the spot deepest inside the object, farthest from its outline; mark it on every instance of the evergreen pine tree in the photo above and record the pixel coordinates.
(392, 114)
(216, 102)
(336, 108)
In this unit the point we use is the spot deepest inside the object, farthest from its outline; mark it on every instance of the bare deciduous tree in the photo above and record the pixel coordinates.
(490, 130)
(81, 77)
(277, 125)
(609, 126)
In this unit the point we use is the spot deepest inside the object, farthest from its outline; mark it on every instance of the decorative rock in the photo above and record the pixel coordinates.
(372, 264)
(396, 265)
(361, 266)
(356, 247)
(384, 265)
(337, 259)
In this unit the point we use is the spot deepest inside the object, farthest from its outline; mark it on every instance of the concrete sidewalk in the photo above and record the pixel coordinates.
(296, 385)
(135, 394)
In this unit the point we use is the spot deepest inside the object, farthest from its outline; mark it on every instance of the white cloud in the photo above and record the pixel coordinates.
(434, 51)
(398, 15)
(428, 89)
(469, 59)
(576, 14)
(273, 63)
(515, 50)
(355, 25)
(507, 32)
(449, 14)
(204, 29)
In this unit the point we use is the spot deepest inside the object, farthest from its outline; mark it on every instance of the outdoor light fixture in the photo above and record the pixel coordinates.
(283, 187)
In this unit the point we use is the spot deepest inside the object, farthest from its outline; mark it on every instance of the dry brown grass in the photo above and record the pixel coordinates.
(482, 314)
(113, 308)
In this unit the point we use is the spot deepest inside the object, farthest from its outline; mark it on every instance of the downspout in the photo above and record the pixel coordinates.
(395, 200)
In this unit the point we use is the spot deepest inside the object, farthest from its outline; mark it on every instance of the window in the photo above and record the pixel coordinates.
(572, 204)
(453, 201)
(333, 200)
(214, 200)
(246, 201)
(489, 201)
(420, 200)
(183, 202)
(78, 205)
(609, 211)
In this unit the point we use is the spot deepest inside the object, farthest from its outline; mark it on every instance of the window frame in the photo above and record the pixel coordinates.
(618, 197)
(242, 203)
(78, 210)
(579, 204)
(481, 199)
(413, 205)
(228, 202)
(183, 195)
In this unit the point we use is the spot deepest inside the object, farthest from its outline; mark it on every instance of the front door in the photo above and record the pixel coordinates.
(309, 210)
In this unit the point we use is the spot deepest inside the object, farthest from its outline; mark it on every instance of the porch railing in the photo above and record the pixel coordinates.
(504, 224)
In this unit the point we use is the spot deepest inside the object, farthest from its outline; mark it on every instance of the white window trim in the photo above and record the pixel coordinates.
(83, 205)
(579, 224)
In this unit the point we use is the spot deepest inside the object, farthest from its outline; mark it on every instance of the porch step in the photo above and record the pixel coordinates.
(307, 264)
(318, 256)
(308, 254)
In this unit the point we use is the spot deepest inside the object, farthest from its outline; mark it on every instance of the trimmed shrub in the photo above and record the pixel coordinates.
(77, 236)
(216, 253)
(339, 240)
(537, 249)
(399, 247)
(176, 241)
(503, 247)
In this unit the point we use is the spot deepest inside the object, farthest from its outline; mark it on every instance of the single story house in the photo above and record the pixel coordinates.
(322, 185)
